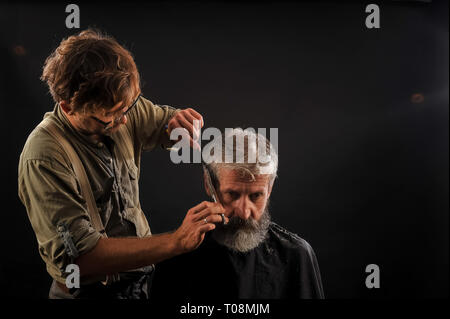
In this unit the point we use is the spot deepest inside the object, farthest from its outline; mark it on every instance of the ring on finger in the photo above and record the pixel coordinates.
(206, 221)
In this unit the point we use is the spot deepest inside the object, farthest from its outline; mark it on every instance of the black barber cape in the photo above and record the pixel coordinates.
(283, 266)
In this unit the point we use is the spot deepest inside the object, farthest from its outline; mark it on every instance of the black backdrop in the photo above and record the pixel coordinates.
(362, 117)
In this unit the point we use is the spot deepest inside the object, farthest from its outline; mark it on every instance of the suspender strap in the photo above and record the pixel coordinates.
(86, 190)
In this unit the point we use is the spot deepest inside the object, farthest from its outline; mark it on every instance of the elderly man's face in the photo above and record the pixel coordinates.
(246, 197)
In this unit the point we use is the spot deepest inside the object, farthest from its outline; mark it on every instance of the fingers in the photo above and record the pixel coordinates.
(207, 208)
(199, 220)
(185, 119)
(184, 134)
(206, 228)
(183, 122)
(195, 115)
(192, 124)
(211, 215)
(198, 208)
(213, 219)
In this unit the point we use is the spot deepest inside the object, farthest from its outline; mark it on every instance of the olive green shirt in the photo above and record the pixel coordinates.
(52, 196)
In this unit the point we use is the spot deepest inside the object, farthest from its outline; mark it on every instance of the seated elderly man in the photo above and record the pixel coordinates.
(251, 256)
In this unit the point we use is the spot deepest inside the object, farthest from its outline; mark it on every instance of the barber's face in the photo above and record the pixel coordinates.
(103, 122)
(99, 122)
(246, 198)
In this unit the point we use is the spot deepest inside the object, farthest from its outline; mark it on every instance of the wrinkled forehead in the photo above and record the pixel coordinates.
(242, 178)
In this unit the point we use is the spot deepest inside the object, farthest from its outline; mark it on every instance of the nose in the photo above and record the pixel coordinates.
(242, 208)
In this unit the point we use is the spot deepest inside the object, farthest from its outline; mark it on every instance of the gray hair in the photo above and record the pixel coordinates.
(246, 151)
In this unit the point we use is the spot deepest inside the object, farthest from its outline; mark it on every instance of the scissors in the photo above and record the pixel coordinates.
(209, 183)
(211, 188)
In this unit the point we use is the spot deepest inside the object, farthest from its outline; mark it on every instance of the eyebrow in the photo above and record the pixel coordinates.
(238, 191)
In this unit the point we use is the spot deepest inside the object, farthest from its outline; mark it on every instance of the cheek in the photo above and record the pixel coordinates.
(84, 123)
(91, 127)
(81, 125)
(258, 207)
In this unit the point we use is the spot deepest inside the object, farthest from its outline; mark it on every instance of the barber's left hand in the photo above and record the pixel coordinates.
(185, 119)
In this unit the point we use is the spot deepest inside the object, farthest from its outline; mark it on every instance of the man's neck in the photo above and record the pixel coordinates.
(95, 138)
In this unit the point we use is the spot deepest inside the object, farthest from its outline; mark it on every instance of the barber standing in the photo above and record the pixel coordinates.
(100, 111)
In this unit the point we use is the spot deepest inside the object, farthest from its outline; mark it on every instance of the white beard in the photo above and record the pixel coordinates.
(243, 235)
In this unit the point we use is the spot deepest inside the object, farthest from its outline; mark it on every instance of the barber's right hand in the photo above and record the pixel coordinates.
(199, 220)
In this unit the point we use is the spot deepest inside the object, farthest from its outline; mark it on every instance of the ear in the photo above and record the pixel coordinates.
(66, 107)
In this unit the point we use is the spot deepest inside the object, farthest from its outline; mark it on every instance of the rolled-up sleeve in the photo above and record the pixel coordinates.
(147, 122)
(57, 213)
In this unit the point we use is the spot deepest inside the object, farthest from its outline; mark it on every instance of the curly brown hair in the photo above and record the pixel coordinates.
(91, 70)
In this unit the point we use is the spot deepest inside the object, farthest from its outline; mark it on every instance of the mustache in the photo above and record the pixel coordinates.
(249, 225)
(245, 224)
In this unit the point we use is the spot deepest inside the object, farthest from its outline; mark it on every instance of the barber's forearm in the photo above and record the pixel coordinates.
(112, 255)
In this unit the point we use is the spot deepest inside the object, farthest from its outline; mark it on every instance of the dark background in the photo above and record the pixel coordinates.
(362, 117)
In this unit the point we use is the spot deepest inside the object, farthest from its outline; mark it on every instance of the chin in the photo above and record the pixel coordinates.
(241, 238)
